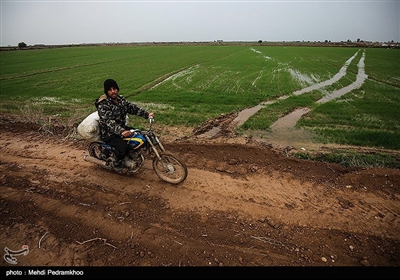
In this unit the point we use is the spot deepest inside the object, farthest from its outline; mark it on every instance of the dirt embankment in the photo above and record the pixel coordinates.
(244, 203)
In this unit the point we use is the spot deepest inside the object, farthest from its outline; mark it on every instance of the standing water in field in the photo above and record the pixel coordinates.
(337, 77)
(361, 76)
(283, 130)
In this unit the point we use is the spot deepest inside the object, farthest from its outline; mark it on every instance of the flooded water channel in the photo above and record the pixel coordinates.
(283, 131)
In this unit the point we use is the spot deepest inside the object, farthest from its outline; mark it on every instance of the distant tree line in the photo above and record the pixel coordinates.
(357, 43)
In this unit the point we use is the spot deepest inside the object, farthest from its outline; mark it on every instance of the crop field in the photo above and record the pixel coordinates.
(187, 85)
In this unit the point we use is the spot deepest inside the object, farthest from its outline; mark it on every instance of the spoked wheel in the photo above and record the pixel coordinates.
(95, 149)
(170, 168)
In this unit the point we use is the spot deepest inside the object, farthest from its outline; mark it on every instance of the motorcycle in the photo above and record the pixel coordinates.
(144, 144)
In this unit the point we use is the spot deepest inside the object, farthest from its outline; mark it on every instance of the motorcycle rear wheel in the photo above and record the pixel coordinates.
(170, 168)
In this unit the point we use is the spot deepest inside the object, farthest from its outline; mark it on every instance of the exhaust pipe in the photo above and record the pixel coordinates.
(97, 161)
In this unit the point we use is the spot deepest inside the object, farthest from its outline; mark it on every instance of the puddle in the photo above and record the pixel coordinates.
(336, 77)
(212, 132)
(288, 121)
(283, 130)
(245, 114)
(361, 76)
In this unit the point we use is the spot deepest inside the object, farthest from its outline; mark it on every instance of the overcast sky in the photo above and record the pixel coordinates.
(55, 22)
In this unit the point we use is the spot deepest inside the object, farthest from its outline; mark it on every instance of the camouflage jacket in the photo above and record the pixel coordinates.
(113, 116)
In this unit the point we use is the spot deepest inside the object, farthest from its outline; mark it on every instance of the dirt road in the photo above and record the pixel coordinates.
(243, 204)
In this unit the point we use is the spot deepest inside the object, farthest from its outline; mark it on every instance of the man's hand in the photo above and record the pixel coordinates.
(126, 133)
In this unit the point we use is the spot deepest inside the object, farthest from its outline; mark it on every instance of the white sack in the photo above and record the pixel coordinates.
(89, 127)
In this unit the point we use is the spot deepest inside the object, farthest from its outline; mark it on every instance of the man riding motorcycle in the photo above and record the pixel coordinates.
(113, 110)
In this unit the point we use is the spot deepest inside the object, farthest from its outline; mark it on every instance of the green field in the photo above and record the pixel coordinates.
(186, 85)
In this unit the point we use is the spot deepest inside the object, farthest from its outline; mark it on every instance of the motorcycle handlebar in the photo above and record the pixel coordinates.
(133, 131)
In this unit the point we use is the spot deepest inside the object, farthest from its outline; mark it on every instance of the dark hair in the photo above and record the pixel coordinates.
(109, 83)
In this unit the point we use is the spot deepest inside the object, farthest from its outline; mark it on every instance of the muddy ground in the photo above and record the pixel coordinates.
(244, 203)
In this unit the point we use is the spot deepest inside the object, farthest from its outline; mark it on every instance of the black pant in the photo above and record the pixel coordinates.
(120, 146)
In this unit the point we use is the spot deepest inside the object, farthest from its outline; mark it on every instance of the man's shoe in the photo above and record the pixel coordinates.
(119, 167)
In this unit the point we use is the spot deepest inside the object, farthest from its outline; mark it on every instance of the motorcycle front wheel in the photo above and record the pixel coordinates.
(170, 168)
